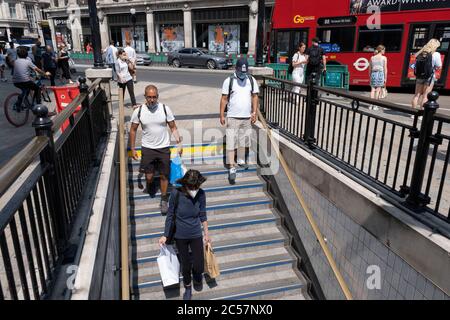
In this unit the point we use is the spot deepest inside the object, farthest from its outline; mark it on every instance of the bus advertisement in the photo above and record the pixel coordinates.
(350, 30)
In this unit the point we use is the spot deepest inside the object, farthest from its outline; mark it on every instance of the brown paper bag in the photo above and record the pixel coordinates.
(211, 265)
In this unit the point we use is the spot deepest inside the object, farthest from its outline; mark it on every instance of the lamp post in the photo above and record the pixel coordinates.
(260, 33)
(96, 41)
(133, 21)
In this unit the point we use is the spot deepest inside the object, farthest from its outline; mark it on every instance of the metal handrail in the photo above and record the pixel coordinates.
(71, 108)
(17, 165)
(308, 213)
(124, 246)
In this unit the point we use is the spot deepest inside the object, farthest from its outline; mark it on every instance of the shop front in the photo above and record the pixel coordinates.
(222, 31)
(122, 30)
(169, 29)
(63, 34)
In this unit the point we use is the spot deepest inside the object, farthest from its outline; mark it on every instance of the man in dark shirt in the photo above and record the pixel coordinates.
(50, 63)
(317, 61)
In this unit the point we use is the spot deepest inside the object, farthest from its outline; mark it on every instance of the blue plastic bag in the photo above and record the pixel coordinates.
(176, 170)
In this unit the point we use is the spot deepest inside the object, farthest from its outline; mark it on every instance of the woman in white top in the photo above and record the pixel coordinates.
(299, 62)
(424, 86)
(124, 78)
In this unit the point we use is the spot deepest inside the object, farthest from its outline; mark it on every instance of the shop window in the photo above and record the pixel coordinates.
(339, 39)
(388, 36)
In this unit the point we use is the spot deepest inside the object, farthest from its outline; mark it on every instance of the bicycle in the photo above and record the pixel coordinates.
(18, 115)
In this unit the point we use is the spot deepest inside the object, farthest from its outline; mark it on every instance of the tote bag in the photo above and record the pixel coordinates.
(169, 266)
(211, 265)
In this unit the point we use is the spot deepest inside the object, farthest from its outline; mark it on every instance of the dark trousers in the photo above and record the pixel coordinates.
(26, 87)
(130, 86)
(194, 264)
(313, 69)
(52, 76)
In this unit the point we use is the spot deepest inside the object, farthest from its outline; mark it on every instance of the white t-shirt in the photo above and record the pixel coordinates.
(155, 133)
(436, 62)
(131, 53)
(240, 103)
(122, 71)
(299, 58)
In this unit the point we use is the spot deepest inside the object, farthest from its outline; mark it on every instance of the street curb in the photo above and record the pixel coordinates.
(229, 71)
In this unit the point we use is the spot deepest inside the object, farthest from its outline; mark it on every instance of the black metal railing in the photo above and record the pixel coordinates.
(37, 217)
(394, 151)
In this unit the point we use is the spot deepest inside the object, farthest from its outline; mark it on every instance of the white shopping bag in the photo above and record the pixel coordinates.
(169, 266)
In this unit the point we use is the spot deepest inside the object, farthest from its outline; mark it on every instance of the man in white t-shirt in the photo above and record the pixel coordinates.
(154, 118)
(240, 95)
(131, 53)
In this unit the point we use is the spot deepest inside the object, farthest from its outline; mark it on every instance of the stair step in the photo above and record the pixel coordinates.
(234, 239)
(231, 270)
(228, 260)
(199, 159)
(219, 226)
(214, 173)
(257, 202)
(250, 183)
(283, 281)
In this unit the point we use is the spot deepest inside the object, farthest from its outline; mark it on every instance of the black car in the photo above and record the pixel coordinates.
(197, 58)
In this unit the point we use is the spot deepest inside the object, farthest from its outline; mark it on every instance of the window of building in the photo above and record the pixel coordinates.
(12, 10)
(388, 36)
(31, 17)
(339, 39)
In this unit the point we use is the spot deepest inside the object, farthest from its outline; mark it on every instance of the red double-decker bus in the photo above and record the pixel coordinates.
(349, 34)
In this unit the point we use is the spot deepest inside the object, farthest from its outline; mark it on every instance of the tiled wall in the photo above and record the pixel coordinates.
(354, 250)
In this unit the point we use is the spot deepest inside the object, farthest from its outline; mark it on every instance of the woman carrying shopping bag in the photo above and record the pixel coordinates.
(186, 215)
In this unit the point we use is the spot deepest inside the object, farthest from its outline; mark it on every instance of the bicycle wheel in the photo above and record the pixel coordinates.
(16, 116)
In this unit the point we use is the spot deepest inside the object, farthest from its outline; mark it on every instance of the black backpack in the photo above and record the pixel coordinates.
(315, 56)
(230, 88)
(424, 66)
(291, 66)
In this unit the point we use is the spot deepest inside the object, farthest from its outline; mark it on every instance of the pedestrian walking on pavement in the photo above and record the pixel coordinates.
(124, 78)
(240, 96)
(37, 53)
(186, 215)
(377, 74)
(155, 117)
(132, 57)
(428, 62)
(50, 62)
(2, 66)
(63, 62)
(317, 61)
(111, 58)
(11, 56)
(299, 62)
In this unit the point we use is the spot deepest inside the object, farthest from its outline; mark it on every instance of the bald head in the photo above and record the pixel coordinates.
(151, 94)
(151, 89)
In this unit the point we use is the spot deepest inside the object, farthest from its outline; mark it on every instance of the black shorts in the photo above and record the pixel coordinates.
(155, 159)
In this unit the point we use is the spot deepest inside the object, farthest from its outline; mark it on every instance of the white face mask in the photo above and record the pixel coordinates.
(193, 193)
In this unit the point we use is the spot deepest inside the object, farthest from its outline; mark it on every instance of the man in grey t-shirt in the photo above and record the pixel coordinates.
(11, 56)
(22, 79)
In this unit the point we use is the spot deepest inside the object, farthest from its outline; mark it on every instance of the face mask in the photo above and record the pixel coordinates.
(241, 75)
(193, 193)
(152, 107)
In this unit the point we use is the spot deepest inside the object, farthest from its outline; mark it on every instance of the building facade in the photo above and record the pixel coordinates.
(161, 25)
(21, 21)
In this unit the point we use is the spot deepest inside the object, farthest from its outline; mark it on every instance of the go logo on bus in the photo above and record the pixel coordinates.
(299, 19)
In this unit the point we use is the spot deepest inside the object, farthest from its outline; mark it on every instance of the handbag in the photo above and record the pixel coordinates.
(131, 67)
(170, 238)
(169, 266)
(177, 170)
(211, 265)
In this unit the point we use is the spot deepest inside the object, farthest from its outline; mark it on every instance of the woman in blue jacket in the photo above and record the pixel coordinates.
(187, 207)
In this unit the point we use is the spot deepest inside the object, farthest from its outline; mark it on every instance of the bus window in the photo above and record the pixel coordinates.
(419, 37)
(337, 39)
(283, 40)
(442, 33)
(389, 36)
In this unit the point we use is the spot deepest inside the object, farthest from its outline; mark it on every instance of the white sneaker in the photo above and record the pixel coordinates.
(375, 108)
(241, 163)
(232, 175)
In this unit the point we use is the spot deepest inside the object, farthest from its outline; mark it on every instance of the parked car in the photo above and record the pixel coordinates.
(197, 58)
(143, 59)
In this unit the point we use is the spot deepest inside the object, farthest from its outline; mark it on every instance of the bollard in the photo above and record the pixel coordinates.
(416, 199)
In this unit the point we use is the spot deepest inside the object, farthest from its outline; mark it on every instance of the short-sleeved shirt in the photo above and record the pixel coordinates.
(22, 70)
(154, 126)
(12, 54)
(240, 101)
(122, 71)
(131, 53)
(436, 62)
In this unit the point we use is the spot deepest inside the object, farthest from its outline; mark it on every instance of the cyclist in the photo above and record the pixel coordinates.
(22, 77)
